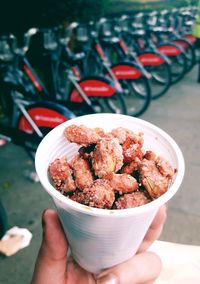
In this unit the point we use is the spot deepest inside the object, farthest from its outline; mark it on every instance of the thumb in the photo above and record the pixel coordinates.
(52, 258)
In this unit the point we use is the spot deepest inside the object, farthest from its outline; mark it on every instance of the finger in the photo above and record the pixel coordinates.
(155, 229)
(142, 268)
(52, 258)
(76, 274)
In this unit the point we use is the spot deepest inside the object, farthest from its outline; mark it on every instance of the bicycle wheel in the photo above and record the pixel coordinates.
(113, 104)
(189, 52)
(137, 95)
(178, 60)
(160, 80)
(44, 117)
(178, 67)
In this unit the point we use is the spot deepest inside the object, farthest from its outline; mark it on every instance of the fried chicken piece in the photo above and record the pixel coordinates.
(78, 196)
(131, 200)
(122, 134)
(99, 131)
(99, 195)
(81, 134)
(107, 157)
(82, 172)
(150, 155)
(122, 183)
(162, 164)
(164, 167)
(86, 151)
(132, 149)
(152, 179)
(131, 167)
(61, 174)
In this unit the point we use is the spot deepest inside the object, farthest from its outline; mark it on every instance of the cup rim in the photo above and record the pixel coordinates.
(73, 205)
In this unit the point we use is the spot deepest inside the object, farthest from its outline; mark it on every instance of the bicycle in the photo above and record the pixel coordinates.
(155, 64)
(166, 30)
(23, 110)
(125, 74)
(142, 39)
(82, 94)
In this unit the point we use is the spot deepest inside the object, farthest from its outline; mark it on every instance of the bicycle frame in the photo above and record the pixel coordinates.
(84, 87)
(20, 106)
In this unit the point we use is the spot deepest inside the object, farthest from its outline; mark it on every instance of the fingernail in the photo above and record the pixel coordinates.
(107, 279)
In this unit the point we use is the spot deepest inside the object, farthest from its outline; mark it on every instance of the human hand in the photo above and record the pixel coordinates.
(53, 267)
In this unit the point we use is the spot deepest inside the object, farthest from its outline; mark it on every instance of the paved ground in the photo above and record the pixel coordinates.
(178, 113)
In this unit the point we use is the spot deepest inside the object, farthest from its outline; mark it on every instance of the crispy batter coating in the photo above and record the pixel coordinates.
(87, 151)
(132, 149)
(79, 197)
(150, 155)
(82, 172)
(164, 167)
(81, 134)
(121, 134)
(154, 182)
(162, 164)
(61, 174)
(99, 195)
(122, 183)
(131, 200)
(107, 157)
(131, 167)
(108, 166)
(99, 131)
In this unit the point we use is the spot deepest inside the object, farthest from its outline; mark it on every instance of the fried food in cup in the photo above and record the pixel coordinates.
(111, 170)
(61, 175)
(82, 172)
(107, 157)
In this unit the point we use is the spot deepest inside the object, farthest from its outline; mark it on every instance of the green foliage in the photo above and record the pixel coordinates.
(56, 11)
(18, 16)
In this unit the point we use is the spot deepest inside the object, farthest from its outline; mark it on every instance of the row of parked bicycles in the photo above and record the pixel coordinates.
(116, 65)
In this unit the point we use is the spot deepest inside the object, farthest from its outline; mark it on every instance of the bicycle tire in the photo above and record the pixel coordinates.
(189, 52)
(56, 114)
(161, 79)
(178, 61)
(113, 104)
(137, 95)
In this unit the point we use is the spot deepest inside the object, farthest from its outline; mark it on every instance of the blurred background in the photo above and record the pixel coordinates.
(175, 108)
(18, 16)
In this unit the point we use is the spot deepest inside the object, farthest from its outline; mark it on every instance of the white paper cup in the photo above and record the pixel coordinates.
(101, 238)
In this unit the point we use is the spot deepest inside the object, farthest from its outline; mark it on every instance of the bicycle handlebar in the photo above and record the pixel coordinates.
(26, 41)
(9, 45)
(65, 33)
